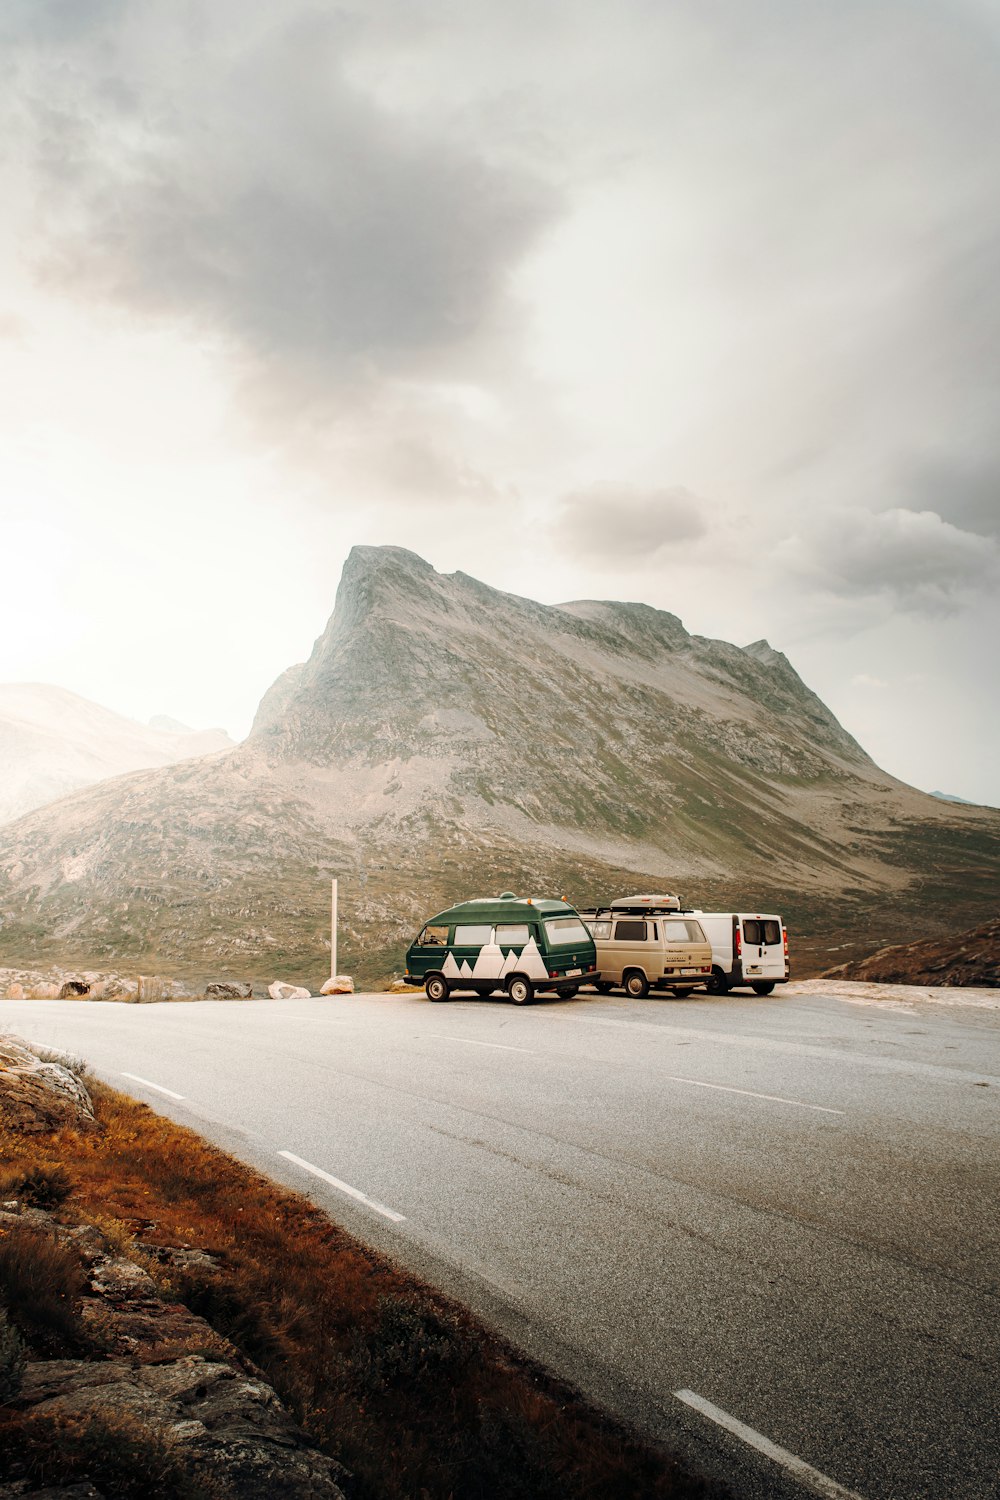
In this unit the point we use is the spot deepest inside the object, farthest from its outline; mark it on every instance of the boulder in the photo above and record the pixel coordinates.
(400, 987)
(74, 989)
(281, 991)
(113, 988)
(15, 992)
(340, 984)
(227, 990)
(38, 1096)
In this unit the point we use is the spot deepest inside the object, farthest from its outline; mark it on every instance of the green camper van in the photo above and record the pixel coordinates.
(509, 943)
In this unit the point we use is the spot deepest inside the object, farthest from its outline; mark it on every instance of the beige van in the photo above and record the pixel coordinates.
(645, 942)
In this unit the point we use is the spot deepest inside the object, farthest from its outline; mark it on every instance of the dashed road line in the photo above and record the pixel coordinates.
(345, 1187)
(472, 1042)
(724, 1088)
(820, 1484)
(157, 1086)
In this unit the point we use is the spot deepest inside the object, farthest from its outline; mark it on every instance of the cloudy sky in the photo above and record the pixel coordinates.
(688, 301)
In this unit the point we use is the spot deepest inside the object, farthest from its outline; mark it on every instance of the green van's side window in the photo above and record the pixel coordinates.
(472, 936)
(512, 933)
(433, 937)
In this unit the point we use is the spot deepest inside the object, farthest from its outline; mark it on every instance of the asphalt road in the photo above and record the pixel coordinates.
(785, 1208)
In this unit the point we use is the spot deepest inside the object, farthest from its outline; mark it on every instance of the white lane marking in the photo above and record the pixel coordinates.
(345, 1187)
(723, 1088)
(472, 1042)
(157, 1086)
(820, 1484)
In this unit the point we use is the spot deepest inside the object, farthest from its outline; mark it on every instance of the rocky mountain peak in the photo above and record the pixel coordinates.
(445, 737)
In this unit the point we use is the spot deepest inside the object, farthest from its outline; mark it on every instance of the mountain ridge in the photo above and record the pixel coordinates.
(444, 739)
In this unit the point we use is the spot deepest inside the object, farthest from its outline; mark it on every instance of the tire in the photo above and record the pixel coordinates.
(436, 987)
(603, 986)
(520, 989)
(680, 994)
(762, 987)
(570, 993)
(717, 982)
(636, 984)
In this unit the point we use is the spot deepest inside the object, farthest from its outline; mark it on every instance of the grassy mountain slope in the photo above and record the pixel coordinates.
(446, 740)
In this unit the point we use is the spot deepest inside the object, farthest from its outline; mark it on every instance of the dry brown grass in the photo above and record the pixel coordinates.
(406, 1390)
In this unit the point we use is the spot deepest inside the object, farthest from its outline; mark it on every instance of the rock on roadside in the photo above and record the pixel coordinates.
(281, 991)
(38, 1096)
(340, 984)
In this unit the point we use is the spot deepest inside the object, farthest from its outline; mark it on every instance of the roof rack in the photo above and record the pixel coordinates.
(657, 906)
(657, 903)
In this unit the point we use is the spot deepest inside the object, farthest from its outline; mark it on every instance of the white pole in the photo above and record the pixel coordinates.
(333, 932)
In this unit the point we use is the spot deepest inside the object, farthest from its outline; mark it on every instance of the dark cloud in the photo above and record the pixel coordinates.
(249, 188)
(913, 559)
(626, 524)
(962, 489)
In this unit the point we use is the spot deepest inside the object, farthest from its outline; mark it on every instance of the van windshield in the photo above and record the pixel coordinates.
(564, 931)
(679, 930)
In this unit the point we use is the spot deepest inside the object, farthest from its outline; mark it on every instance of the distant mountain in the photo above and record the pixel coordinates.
(949, 797)
(446, 740)
(53, 742)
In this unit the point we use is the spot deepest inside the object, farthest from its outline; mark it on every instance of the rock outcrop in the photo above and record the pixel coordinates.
(37, 1096)
(222, 1420)
(964, 959)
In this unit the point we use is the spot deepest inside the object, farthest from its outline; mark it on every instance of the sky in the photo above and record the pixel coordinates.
(693, 302)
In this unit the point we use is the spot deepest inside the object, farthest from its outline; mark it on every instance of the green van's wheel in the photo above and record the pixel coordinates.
(436, 987)
(520, 990)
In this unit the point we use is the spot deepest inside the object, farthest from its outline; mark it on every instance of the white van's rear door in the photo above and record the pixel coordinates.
(763, 948)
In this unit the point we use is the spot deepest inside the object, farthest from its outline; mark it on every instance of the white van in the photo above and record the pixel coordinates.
(748, 948)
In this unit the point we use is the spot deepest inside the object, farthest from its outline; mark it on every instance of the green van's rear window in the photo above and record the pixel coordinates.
(564, 931)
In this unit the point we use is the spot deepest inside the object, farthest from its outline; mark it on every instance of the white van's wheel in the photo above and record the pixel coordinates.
(717, 983)
(636, 984)
(436, 987)
(762, 987)
(520, 990)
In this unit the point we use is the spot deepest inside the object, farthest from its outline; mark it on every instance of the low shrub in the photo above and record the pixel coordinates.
(41, 1283)
(11, 1360)
(40, 1186)
(120, 1456)
(411, 1339)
